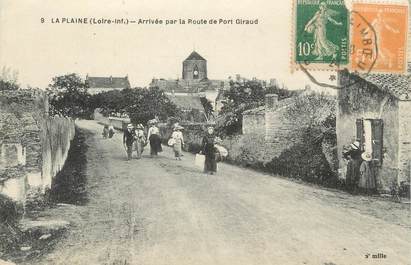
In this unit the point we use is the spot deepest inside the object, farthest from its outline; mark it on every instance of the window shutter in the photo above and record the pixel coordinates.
(377, 141)
(360, 132)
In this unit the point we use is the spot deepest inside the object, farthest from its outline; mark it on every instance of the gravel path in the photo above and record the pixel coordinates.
(162, 211)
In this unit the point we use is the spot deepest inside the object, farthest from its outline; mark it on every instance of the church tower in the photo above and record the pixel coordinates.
(195, 67)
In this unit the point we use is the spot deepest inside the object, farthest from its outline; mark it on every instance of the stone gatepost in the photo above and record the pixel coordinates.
(271, 101)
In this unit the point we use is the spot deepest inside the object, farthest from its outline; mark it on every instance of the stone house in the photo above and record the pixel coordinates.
(103, 84)
(375, 109)
(271, 121)
(254, 121)
(190, 106)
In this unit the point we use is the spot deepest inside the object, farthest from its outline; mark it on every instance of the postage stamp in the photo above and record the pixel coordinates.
(321, 34)
(389, 24)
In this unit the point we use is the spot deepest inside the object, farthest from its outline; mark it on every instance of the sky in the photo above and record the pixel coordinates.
(39, 51)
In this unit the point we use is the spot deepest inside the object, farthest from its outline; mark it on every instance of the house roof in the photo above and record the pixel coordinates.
(394, 84)
(187, 102)
(255, 111)
(108, 82)
(195, 56)
(279, 105)
(182, 86)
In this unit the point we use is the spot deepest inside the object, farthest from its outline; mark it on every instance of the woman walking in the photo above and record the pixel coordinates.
(153, 136)
(208, 149)
(140, 140)
(178, 140)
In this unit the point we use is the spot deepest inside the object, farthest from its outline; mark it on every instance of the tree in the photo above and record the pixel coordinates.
(240, 97)
(145, 104)
(140, 104)
(110, 101)
(208, 107)
(69, 97)
(316, 112)
(7, 85)
(8, 79)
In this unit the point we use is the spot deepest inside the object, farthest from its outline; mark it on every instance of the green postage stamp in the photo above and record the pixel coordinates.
(321, 34)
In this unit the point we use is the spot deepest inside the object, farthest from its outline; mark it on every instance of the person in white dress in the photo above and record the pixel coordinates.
(178, 138)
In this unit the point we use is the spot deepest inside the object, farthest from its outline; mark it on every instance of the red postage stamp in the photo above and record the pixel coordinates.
(379, 37)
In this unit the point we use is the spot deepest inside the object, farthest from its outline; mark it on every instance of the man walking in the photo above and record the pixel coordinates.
(128, 139)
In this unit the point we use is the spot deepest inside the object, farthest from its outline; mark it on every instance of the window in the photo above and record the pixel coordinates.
(195, 72)
(370, 136)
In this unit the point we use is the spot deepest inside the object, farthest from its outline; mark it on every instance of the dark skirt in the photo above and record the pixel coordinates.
(210, 164)
(155, 144)
(353, 173)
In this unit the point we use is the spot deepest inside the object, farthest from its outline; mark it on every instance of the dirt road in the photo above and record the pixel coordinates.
(162, 211)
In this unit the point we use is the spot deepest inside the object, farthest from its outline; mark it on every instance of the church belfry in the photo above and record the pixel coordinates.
(195, 67)
(195, 72)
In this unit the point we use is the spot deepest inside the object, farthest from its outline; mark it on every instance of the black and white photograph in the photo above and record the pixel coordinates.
(205, 132)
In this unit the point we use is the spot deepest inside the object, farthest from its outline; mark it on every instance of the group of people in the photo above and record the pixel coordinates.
(134, 139)
(108, 131)
(360, 174)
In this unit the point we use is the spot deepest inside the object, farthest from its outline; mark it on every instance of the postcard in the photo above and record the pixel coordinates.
(184, 132)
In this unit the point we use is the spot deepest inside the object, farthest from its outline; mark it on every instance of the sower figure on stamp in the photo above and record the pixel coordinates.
(317, 25)
(128, 140)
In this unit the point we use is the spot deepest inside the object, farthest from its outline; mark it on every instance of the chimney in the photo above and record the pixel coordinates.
(271, 101)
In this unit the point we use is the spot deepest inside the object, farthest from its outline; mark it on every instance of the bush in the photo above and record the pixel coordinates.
(10, 212)
(302, 161)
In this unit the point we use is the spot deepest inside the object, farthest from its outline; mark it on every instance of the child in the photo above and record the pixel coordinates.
(105, 132)
(367, 178)
(110, 131)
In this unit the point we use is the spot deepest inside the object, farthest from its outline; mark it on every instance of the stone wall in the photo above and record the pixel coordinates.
(404, 159)
(280, 130)
(254, 121)
(33, 146)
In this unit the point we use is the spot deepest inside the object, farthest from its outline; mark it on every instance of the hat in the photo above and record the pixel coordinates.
(366, 156)
(140, 126)
(129, 126)
(153, 121)
(355, 145)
